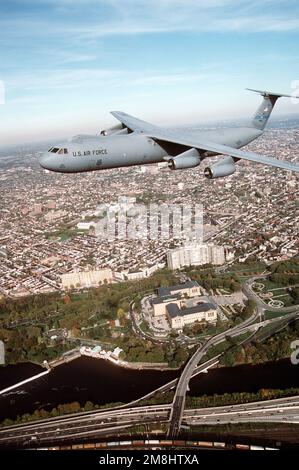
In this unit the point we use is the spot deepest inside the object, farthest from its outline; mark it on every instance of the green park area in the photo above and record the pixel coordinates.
(99, 314)
(270, 343)
(209, 279)
(246, 270)
(281, 286)
(64, 233)
(102, 316)
(276, 296)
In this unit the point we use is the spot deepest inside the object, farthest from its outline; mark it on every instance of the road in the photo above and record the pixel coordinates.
(181, 390)
(71, 429)
(86, 427)
(279, 410)
(179, 398)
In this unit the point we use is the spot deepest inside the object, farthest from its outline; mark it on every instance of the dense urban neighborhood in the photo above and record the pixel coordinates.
(49, 221)
(70, 290)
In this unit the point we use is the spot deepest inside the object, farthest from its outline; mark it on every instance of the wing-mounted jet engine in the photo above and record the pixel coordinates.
(118, 129)
(225, 167)
(188, 159)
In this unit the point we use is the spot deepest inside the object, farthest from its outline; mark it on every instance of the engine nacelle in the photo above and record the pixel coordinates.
(118, 129)
(224, 167)
(188, 159)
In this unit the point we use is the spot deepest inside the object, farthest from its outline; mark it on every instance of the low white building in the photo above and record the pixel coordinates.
(85, 225)
(174, 294)
(178, 318)
(86, 278)
(138, 274)
(190, 289)
(160, 304)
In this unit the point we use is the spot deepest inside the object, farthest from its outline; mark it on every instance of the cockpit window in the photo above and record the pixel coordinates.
(57, 150)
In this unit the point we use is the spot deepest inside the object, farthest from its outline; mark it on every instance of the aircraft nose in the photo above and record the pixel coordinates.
(45, 161)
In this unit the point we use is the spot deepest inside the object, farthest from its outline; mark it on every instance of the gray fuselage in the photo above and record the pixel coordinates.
(88, 153)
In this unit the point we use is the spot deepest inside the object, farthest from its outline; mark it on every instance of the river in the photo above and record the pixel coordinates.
(102, 382)
(83, 379)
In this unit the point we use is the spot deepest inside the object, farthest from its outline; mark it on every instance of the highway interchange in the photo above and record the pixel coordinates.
(100, 424)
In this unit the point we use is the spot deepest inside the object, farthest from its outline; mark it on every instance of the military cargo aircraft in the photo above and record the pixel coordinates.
(136, 142)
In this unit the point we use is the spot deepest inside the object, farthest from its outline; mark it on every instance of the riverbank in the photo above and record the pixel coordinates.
(108, 356)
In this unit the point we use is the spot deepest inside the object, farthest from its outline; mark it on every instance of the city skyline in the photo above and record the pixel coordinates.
(66, 64)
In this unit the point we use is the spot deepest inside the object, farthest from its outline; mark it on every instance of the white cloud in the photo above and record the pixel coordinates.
(90, 78)
(62, 79)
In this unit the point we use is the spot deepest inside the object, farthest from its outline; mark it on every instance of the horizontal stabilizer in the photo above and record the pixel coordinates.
(271, 93)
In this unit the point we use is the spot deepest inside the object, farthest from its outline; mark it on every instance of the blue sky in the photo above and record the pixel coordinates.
(66, 63)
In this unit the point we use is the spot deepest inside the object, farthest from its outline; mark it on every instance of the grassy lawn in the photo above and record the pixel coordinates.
(280, 294)
(243, 277)
(79, 296)
(269, 285)
(269, 329)
(212, 330)
(286, 299)
(269, 314)
(63, 234)
(144, 326)
(247, 270)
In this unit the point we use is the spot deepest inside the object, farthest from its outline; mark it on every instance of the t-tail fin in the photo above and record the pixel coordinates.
(263, 112)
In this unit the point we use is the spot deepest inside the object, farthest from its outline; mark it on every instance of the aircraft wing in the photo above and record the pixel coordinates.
(135, 124)
(179, 137)
(205, 145)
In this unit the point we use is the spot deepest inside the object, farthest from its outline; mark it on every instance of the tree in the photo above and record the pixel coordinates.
(122, 355)
(120, 313)
(76, 331)
(295, 294)
(228, 359)
(67, 299)
(88, 406)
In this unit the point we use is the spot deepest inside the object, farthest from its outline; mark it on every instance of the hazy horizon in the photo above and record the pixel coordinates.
(272, 124)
